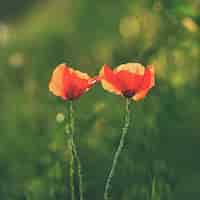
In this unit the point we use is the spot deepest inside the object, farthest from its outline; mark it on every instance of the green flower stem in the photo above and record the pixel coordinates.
(75, 152)
(80, 177)
(119, 150)
(71, 169)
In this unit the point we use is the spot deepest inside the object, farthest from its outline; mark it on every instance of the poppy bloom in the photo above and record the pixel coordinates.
(130, 80)
(69, 84)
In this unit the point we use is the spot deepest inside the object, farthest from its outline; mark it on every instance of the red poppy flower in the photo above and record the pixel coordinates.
(69, 84)
(130, 80)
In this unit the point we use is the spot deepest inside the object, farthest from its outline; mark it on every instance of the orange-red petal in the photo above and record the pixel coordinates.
(129, 81)
(57, 83)
(79, 84)
(68, 83)
(109, 81)
(130, 76)
(135, 68)
(147, 83)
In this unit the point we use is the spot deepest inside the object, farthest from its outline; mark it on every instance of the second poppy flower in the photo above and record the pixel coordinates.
(131, 80)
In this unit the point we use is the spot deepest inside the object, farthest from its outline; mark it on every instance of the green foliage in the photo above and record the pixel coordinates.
(160, 160)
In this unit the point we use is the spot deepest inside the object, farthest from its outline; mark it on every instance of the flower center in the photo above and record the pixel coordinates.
(128, 93)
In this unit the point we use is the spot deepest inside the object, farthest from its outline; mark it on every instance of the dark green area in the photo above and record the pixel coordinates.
(161, 157)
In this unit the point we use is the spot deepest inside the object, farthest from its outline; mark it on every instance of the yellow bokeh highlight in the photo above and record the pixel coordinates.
(190, 24)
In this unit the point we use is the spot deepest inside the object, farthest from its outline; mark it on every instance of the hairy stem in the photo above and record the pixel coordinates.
(80, 177)
(75, 152)
(71, 169)
(118, 151)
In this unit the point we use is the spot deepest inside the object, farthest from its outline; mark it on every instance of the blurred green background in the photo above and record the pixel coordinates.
(161, 157)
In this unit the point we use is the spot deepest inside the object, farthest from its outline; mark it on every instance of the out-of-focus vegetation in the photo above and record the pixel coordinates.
(161, 158)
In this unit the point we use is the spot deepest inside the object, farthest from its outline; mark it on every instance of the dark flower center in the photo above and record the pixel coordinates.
(128, 93)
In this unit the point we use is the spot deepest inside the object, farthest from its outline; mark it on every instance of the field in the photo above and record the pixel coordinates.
(160, 160)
